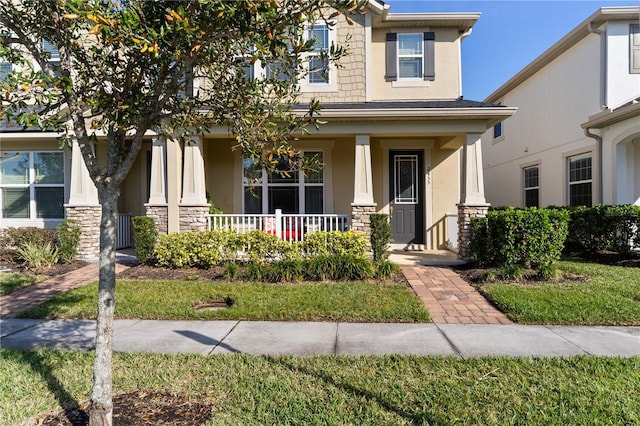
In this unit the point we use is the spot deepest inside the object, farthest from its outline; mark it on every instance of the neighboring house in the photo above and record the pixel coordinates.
(399, 139)
(575, 139)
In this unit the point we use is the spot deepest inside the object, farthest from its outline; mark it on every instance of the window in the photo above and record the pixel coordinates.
(531, 187)
(5, 69)
(318, 64)
(32, 185)
(634, 48)
(53, 62)
(497, 131)
(410, 56)
(290, 191)
(580, 192)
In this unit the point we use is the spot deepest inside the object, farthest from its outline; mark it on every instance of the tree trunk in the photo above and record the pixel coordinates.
(101, 408)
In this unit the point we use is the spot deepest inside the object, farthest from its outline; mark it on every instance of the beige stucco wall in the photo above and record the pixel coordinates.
(133, 191)
(447, 68)
(220, 177)
(546, 128)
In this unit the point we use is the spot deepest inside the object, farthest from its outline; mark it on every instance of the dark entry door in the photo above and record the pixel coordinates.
(407, 196)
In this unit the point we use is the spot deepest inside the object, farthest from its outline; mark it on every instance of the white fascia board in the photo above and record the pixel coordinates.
(426, 113)
(609, 117)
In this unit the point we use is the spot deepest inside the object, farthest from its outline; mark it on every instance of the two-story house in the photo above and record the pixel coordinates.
(575, 139)
(398, 139)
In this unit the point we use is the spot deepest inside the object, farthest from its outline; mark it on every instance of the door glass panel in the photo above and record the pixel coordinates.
(406, 179)
(285, 198)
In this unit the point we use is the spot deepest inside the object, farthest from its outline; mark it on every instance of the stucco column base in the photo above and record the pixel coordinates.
(466, 212)
(193, 218)
(160, 215)
(361, 218)
(88, 218)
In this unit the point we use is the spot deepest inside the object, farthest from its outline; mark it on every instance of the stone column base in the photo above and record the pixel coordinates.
(88, 218)
(160, 216)
(193, 218)
(466, 212)
(361, 218)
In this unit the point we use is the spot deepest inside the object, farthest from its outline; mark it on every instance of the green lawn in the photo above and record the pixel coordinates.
(610, 297)
(344, 301)
(11, 281)
(329, 390)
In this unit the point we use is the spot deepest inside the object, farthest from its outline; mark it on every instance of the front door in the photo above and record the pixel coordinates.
(406, 198)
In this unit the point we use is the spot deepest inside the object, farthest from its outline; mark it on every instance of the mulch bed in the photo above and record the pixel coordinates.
(137, 408)
(53, 271)
(146, 272)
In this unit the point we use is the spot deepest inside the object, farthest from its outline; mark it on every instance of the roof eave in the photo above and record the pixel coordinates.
(598, 18)
(608, 117)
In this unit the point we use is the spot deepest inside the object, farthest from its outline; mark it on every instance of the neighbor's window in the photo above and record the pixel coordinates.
(531, 187)
(497, 131)
(53, 62)
(32, 185)
(580, 180)
(290, 191)
(5, 69)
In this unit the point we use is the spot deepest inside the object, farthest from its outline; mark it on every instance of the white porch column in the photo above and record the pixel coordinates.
(472, 189)
(363, 204)
(157, 207)
(84, 207)
(82, 191)
(472, 201)
(193, 205)
(363, 177)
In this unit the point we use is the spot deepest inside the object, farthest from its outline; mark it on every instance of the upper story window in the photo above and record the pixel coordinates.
(410, 56)
(31, 185)
(5, 69)
(634, 48)
(497, 131)
(54, 59)
(319, 64)
(580, 180)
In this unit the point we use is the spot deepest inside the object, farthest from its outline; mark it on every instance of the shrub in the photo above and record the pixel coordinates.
(530, 238)
(385, 269)
(335, 243)
(615, 228)
(263, 247)
(380, 236)
(68, 239)
(38, 256)
(145, 236)
(15, 238)
(198, 249)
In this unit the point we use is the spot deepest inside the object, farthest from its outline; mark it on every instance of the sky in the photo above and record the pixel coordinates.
(509, 34)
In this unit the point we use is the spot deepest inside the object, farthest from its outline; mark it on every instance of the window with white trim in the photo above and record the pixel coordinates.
(410, 56)
(634, 48)
(318, 61)
(31, 185)
(292, 191)
(53, 62)
(580, 180)
(5, 69)
(531, 186)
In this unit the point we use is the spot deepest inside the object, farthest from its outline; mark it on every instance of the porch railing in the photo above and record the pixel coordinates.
(123, 231)
(289, 227)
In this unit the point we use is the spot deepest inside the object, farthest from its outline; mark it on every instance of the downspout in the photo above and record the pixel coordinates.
(603, 100)
(603, 65)
(598, 138)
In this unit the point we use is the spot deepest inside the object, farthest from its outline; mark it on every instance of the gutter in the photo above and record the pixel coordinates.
(598, 138)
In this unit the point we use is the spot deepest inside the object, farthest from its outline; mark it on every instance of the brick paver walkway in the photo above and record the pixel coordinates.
(27, 297)
(450, 299)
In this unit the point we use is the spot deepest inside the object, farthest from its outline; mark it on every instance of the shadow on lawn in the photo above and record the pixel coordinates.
(68, 403)
(413, 418)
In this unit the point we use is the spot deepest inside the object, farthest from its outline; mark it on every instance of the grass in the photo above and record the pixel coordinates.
(381, 390)
(348, 301)
(12, 281)
(610, 297)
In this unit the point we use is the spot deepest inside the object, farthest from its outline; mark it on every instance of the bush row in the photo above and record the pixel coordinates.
(208, 249)
(39, 247)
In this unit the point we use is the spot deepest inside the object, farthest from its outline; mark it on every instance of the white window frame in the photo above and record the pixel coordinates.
(578, 182)
(55, 53)
(399, 56)
(31, 185)
(331, 85)
(530, 188)
(264, 184)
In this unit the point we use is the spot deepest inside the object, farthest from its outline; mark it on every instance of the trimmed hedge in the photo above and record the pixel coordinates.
(531, 238)
(68, 239)
(592, 229)
(380, 236)
(145, 236)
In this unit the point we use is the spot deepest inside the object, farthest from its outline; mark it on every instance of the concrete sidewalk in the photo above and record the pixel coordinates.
(322, 338)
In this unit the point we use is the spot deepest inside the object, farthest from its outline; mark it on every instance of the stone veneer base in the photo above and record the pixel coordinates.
(160, 216)
(466, 212)
(193, 218)
(88, 218)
